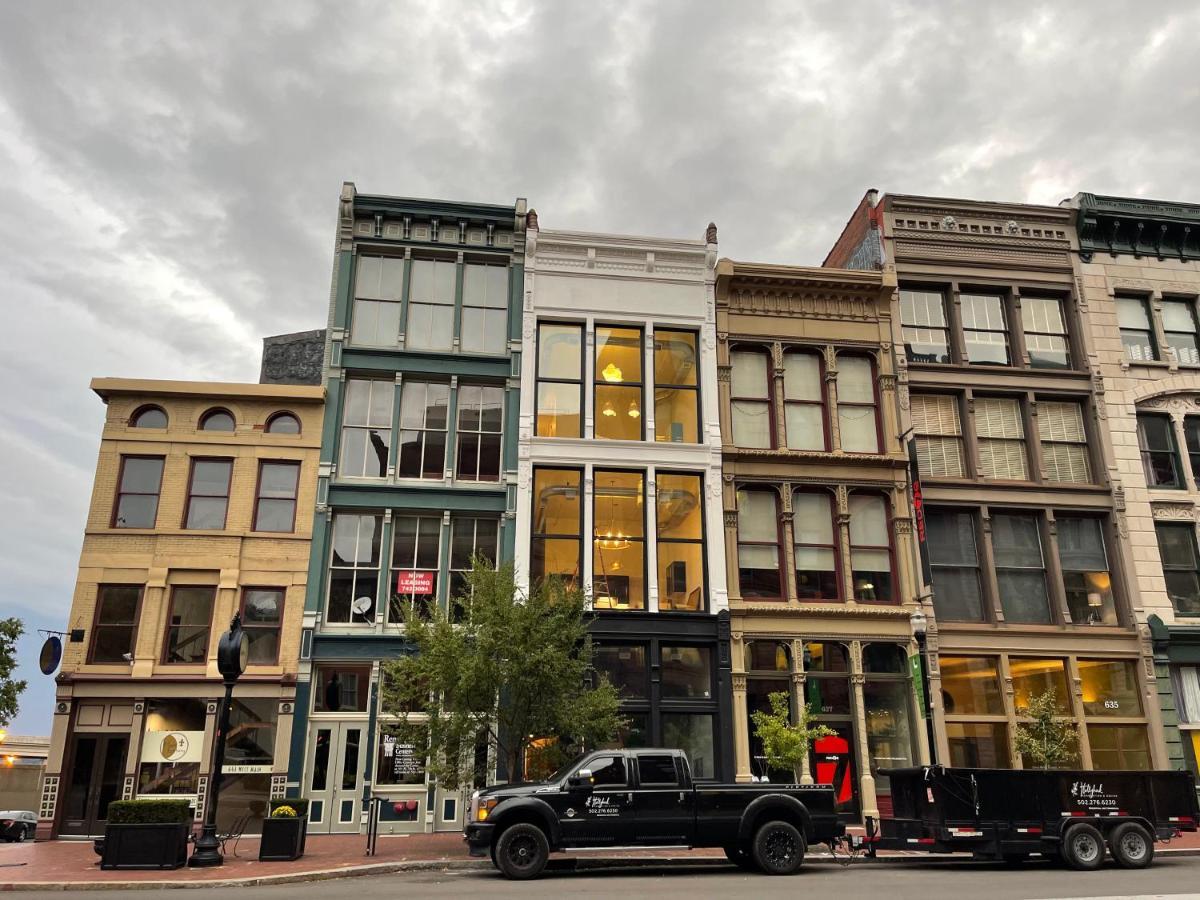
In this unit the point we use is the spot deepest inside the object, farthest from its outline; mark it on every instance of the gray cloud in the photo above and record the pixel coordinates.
(169, 171)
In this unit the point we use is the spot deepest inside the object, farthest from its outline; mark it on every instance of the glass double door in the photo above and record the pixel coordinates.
(336, 759)
(94, 780)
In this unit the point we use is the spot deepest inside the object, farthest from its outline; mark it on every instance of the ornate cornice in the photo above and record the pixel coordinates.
(1119, 225)
(809, 610)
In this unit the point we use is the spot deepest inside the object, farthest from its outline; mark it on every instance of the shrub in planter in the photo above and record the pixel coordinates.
(284, 830)
(146, 834)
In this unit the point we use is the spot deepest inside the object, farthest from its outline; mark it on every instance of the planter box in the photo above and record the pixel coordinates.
(282, 839)
(162, 846)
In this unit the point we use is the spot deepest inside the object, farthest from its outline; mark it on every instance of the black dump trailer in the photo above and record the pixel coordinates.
(1009, 814)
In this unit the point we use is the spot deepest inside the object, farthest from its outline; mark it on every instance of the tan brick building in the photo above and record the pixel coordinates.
(202, 506)
(1139, 279)
(821, 569)
(1034, 586)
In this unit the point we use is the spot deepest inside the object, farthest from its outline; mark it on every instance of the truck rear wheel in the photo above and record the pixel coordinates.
(1083, 847)
(1131, 846)
(522, 851)
(739, 856)
(778, 848)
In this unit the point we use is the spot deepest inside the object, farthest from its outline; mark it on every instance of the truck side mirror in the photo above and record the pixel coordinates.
(581, 779)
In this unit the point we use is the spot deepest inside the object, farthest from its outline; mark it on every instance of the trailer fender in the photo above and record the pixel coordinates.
(774, 806)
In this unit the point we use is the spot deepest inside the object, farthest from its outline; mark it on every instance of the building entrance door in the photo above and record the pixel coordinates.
(93, 781)
(337, 751)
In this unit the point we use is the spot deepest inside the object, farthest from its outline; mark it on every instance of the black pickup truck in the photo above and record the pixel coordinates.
(642, 798)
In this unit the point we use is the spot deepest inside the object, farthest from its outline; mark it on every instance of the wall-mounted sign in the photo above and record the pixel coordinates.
(413, 582)
(262, 769)
(51, 655)
(172, 746)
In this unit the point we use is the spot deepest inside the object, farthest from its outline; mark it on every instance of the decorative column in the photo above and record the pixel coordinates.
(778, 395)
(788, 540)
(842, 517)
(799, 699)
(731, 551)
(866, 781)
(835, 429)
(741, 719)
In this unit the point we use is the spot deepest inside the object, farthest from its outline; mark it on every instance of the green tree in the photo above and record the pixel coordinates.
(1048, 741)
(513, 669)
(10, 688)
(785, 743)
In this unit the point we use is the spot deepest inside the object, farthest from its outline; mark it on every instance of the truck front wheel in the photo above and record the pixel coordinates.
(1083, 847)
(778, 848)
(522, 851)
(1131, 846)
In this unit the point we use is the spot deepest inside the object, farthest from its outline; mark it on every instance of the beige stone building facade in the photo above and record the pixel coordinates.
(1139, 278)
(201, 507)
(1034, 586)
(821, 569)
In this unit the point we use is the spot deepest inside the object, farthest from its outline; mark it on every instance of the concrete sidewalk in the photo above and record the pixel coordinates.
(73, 865)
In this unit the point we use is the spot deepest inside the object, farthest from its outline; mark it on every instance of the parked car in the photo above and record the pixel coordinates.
(646, 797)
(17, 825)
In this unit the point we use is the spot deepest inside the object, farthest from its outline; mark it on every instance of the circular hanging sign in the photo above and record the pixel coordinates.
(51, 655)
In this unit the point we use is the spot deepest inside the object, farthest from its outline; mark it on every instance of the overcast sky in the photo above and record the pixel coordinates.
(169, 171)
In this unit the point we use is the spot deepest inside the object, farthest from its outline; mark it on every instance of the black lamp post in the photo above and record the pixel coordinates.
(232, 653)
(920, 627)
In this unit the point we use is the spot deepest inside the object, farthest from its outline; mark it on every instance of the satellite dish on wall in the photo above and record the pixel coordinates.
(362, 605)
(51, 655)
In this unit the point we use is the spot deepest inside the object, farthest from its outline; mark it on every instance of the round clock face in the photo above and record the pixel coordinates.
(243, 652)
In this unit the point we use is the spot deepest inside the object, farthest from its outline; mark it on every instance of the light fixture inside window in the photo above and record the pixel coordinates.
(611, 372)
(634, 412)
(608, 409)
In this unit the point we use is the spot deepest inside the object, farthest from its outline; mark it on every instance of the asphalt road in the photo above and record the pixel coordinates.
(1173, 878)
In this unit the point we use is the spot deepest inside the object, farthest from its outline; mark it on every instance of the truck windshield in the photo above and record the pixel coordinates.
(563, 771)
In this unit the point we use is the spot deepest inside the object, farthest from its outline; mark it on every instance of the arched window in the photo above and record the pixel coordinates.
(857, 420)
(217, 420)
(283, 423)
(750, 399)
(870, 548)
(758, 544)
(884, 659)
(149, 417)
(768, 656)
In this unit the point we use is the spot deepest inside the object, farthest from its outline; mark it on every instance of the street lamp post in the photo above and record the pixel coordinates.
(920, 627)
(232, 653)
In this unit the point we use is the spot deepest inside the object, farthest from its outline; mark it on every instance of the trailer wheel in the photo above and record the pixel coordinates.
(522, 851)
(739, 856)
(1083, 847)
(778, 848)
(1131, 846)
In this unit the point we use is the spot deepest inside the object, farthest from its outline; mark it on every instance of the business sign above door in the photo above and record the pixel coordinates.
(409, 581)
(172, 746)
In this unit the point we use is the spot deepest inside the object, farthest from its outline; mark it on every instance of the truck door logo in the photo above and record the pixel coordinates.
(600, 806)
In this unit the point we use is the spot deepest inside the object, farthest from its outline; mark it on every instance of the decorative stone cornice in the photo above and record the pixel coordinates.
(810, 610)
(1120, 225)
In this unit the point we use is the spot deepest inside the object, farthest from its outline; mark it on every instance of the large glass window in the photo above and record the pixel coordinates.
(870, 548)
(692, 733)
(114, 630)
(857, 420)
(169, 764)
(469, 538)
(189, 621)
(954, 559)
(262, 618)
(971, 686)
(559, 380)
(1033, 677)
(415, 546)
(619, 540)
(1020, 568)
(679, 501)
(354, 568)
(1181, 565)
(1064, 442)
(985, 333)
(889, 725)
(750, 399)
(687, 672)
(1086, 577)
(378, 286)
(827, 683)
(816, 546)
(485, 309)
(1119, 747)
(137, 492)
(625, 666)
(366, 428)
(1045, 332)
(557, 525)
(618, 387)
(424, 412)
(768, 667)
(926, 331)
(208, 494)
(978, 745)
(1179, 329)
(937, 429)
(1160, 461)
(341, 687)
(1001, 431)
(676, 386)
(758, 544)
(480, 430)
(431, 305)
(1110, 688)
(804, 401)
(275, 504)
(1137, 334)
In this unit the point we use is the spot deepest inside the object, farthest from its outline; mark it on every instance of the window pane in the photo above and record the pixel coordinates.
(210, 477)
(802, 377)
(951, 538)
(484, 330)
(140, 475)
(560, 558)
(559, 351)
(218, 420)
(868, 520)
(679, 506)
(1034, 677)
(556, 501)
(675, 358)
(692, 733)
(1177, 316)
(984, 330)
(978, 746)
(375, 323)
(749, 378)
(278, 480)
(971, 686)
(922, 308)
(485, 286)
(206, 513)
(1132, 313)
(757, 516)
(888, 659)
(1043, 314)
(751, 424)
(1155, 432)
(857, 427)
(854, 380)
(1110, 687)
(1016, 541)
(625, 666)
(813, 518)
(188, 624)
(675, 416)
(619, 562)
(681, 576)
(1047, 351)
(889, 727)
(687, 672)
(1119, 747)
(558, 410)
(957, 595)
(151, 417)
(341, 688)
(806, 426)
(432, 281)
(618, 412)
(618, 355)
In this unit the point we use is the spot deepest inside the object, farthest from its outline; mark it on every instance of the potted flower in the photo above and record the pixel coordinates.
(146, 834)
(284, 830)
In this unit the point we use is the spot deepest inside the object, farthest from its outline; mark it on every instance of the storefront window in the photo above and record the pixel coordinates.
(687, 672)
(1110, 688)
(827, 685)
(758, 693)
(625, 666)
(341, 688)
(1033, 677)
(249, 758)
(401, 759)
(978, 745)
(1119, 747)
(885, 659)
(889, 726)
(634, 734)
(768, 656)
(172, 747)
(971, 686)
(692, 733)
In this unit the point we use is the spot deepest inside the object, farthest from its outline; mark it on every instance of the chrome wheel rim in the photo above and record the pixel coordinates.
(1085, 847)
(1133, 845)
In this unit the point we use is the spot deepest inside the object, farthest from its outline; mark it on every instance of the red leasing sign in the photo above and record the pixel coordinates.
(411, 582)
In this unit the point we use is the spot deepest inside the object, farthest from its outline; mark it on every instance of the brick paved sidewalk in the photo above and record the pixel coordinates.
(59, 864)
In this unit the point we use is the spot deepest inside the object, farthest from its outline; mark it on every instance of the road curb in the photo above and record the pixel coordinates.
(452, 865)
